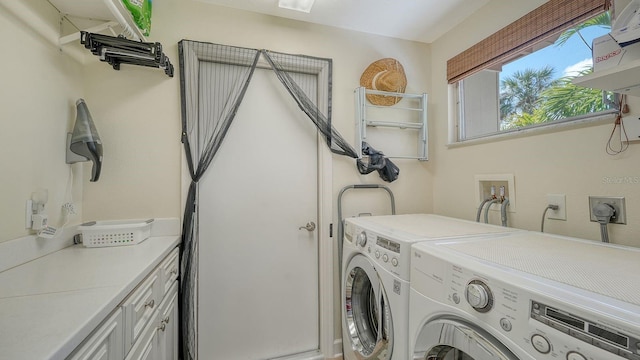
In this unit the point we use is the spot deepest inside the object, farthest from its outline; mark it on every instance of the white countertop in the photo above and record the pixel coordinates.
(50, 304)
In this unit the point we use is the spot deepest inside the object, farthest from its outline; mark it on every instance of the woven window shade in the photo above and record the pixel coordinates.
(541, 23)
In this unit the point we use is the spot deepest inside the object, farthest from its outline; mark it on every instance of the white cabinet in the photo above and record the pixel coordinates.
(159, 339)
(106, 341)
(169, 326)
(139, 307)
(146, 348)
(169, 270)
(145, 325)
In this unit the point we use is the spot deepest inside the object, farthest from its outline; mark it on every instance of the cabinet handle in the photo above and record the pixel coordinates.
(150, 303)
(163, 324)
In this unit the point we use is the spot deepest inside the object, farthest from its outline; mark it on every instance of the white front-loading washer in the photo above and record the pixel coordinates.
(524, 296)
(375, 278)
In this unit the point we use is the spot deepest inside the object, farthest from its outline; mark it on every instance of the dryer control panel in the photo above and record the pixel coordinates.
(589, 331)
(548, 321)
(391, 254)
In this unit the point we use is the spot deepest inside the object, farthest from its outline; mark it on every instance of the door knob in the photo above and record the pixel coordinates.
(309, 227)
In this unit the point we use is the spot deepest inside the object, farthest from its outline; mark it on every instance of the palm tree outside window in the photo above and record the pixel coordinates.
(536, 89)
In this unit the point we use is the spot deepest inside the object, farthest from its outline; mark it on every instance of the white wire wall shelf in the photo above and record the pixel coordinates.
(400, 131)
(622, 79)
(97, 15)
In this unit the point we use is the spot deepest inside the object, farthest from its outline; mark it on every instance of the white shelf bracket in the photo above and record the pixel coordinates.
(107, 13)
(76, 36)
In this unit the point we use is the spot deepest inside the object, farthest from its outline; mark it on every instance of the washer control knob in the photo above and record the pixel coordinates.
(479, 296)
(541, 344)
(575, 356)
(385, 257)
(456, 298)
(505, 324)
(394, 261)
(377, 254)
(362, 239)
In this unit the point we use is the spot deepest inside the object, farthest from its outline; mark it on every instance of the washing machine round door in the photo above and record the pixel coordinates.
(366, 310)
(450, 338)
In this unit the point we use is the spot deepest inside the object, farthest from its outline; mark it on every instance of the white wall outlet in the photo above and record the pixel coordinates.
(561, 201)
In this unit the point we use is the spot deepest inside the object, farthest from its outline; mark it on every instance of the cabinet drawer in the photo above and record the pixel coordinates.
(105, 343)
(169, 269)
(139, 307)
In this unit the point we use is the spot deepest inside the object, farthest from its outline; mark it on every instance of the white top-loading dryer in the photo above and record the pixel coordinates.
(522, 296)
(375, 278)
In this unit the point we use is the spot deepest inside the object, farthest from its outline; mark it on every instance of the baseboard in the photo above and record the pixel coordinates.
(337, 350)
(311, 355)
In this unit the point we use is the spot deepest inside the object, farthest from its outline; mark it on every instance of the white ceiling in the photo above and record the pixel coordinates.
(418, 20)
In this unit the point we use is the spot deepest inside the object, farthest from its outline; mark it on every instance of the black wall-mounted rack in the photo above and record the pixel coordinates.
(119, 50)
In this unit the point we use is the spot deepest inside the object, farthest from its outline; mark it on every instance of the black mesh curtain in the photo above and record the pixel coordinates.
(283, 64)
(286, 64)
(214, 79)
(210, 99)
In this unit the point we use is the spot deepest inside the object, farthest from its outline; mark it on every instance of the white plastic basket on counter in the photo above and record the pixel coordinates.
(115, 232)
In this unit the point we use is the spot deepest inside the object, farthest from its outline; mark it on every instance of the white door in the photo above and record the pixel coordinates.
(258, 272)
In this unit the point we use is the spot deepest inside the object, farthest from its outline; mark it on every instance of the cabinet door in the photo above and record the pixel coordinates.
(146, 347)
(169, 327)
(139, 307)
(106, 343)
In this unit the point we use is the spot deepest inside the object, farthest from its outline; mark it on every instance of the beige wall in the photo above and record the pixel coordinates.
(571, 161)
(137, 112)
(139, 109)
(38, 89)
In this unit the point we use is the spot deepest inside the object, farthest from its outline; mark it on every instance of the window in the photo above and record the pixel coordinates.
(530, 84)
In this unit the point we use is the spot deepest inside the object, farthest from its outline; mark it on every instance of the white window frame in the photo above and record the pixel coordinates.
(455, 111)
(456, 115)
